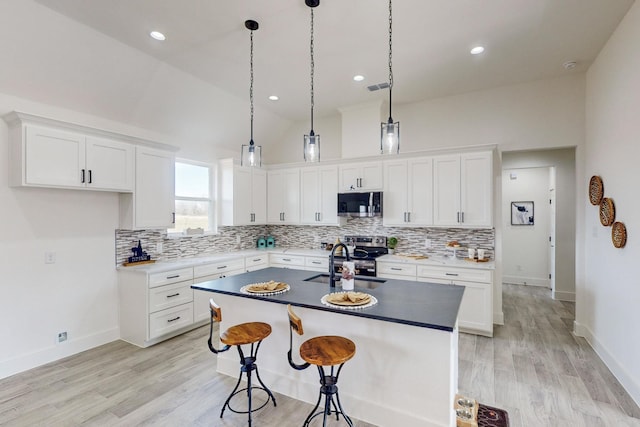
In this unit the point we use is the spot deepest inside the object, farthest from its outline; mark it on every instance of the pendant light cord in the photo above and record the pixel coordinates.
(390, 52)
(312, 69)
(251, 86)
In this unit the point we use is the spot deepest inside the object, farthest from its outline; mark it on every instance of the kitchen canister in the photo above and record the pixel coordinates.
(271, 242)
(262, 242)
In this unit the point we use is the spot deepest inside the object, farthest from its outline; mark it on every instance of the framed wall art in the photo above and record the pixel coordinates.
(522, 213)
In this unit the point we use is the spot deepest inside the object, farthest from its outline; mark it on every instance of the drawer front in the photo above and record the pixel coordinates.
(453, 274)
(256, 262)
(317, 262)
(396, 269)
(167, 296)
(293, 260)
(218, 267)
(173, 276)
(169, 320)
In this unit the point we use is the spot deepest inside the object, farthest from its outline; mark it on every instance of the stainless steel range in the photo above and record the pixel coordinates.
(367, 249)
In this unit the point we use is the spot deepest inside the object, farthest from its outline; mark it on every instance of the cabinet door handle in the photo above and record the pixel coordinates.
(173, 219)
(283, 216)
(458, 220)
(173, 295)
(173, 277)
(462, 217)
(82, 176)
(408, 216)
(451, 274)
(173, 320)
(220, 267)
(90, 178)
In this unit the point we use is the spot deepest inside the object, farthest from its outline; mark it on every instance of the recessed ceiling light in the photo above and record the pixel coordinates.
(273, 97)
(157, 35)
(477, 50)
(358, 78)
(570, 65)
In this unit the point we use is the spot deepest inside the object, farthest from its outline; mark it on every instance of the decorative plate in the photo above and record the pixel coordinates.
(341, 300)
(596, 190)
(266, 288)
(619, 234)
(607, 212)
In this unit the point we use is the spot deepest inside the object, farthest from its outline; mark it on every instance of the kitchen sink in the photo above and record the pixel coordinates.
(360, 282)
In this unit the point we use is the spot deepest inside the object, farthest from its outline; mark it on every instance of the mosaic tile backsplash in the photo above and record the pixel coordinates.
(410, 240)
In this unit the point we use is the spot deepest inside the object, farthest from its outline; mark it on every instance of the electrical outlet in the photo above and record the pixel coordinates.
(238, 239)
(427, 243)
(159, 247)
(62, 336)
(49, 257)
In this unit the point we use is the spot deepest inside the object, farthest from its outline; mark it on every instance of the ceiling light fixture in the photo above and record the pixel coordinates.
(273, 97)
(312, 141)
(157, 35)
(251, 155)
(390, 131)
(477, 50)
(358, 78)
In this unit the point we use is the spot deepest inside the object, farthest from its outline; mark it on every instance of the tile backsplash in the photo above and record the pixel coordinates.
(410, 240)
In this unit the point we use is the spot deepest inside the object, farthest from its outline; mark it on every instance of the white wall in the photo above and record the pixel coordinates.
(526, 247)
(608, 284)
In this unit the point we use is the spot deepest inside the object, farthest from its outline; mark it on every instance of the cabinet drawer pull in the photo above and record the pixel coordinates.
(396, 269)
(173, 277)
(173, 320)
(221, 267)
(257, 259)
(286, 259)
(173, 295)
(316, 262)
(451, 274)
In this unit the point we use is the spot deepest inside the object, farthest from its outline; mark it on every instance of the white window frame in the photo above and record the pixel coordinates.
(213, 223)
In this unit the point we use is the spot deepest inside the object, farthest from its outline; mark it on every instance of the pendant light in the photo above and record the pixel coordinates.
(390, 131)
(312, 141)
(251, 155)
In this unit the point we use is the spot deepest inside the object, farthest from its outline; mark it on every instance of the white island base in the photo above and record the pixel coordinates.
(401, 375)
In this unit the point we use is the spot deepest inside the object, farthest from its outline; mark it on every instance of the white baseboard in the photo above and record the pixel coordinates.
(55, 352)
(564, 296)
(498, 318)
(529, 281)
(617, 369)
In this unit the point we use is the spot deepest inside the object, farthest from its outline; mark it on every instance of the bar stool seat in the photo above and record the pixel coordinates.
(327, 351)
(250, 333)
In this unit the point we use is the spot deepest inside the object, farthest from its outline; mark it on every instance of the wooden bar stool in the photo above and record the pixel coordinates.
(323, 351)
(243, 334)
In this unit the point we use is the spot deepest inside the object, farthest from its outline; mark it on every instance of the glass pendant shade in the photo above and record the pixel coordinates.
(312, 147)
(251, 155)
(390, 137)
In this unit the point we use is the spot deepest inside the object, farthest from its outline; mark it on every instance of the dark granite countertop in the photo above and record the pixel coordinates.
(427, 305)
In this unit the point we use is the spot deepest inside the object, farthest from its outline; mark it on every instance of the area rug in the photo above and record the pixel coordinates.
(492, 417)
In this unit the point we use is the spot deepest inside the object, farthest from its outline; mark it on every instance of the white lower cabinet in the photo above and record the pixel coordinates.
(313, 263)
(154, 307)
(213, 271)
(257, 262)
(393, 270)
(286, 261)
(476, 309)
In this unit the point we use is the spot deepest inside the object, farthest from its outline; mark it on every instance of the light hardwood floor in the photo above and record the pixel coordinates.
(537, 370)
(533, 367)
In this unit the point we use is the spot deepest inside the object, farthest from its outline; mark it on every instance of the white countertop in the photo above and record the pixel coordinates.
(212, 258)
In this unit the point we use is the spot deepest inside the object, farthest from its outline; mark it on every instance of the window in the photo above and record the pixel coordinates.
(194, 201)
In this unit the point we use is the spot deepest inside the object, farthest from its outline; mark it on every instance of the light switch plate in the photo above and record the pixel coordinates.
(49, 257)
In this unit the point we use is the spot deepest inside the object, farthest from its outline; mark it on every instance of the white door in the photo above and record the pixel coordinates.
(476, 185)
(420, 191)
(309, 195)
(446, 190)
(291, 197)
(242, 196)
(109, 164)
(259, 196)
(552, 234)
(155, 188)
(275, 191)
(395, 193)
(328, 182)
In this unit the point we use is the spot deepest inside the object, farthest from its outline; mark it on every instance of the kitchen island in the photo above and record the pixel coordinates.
(406, 363)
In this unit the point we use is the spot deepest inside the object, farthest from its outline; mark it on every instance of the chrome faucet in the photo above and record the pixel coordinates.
(332, 271)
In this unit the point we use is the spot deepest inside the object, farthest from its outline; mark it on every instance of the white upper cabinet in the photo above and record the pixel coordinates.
(319, 195)
(152, 204)
(408, 192)
(283, 190)
(243, 194)
(462, 190)
(49, 157)
(365, 176)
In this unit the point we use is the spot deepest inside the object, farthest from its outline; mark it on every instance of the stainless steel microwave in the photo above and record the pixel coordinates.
(360, 204)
